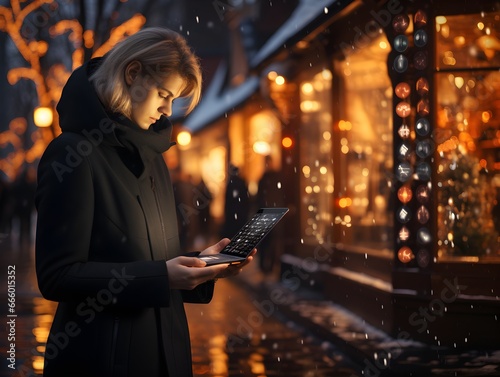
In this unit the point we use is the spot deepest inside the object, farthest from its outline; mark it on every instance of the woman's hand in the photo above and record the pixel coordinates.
(185, 272)
(189, 272)
(230, 270)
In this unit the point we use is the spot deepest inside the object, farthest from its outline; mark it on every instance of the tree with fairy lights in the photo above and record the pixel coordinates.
(467, 199)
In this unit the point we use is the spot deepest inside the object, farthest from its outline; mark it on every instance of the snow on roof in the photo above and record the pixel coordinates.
(218, 100)
(305, 13)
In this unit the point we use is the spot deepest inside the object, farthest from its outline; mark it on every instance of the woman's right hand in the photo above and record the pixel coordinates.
(189, 272)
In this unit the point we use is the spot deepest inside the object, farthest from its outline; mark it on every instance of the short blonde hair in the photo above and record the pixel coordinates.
(161, 52)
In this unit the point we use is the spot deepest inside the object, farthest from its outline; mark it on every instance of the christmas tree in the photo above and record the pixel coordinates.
(465, 212)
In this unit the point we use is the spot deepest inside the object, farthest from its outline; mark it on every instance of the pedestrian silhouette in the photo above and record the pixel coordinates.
(269, 194)
(236, 205)
(203, 198)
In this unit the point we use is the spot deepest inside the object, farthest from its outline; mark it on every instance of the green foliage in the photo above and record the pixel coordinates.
(466, 199)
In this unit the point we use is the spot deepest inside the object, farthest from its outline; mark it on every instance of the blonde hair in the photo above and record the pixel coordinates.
(161, 52)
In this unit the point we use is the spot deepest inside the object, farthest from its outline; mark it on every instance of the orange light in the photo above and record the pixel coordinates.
(280, 80)
(486, 116)
(88, 38)
(184, 138)
(345, 202)
(286, 142)
(345, 125)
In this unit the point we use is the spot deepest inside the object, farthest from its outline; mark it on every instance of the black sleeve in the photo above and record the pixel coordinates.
(65, 204)
(203, 293)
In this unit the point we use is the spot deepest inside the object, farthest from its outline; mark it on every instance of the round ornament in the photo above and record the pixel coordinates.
(405, 254)
(422, 214)
(424, 236)
(422, 86)
(402, 90)
(420, 38)
(420, 60)
(423, 107)
(423, 194)
(420, 18)
(422, 127)
(403, 171)
(403, 109)
(405, 194)
(404, 131)
(404, 214)
(400, 23)
(424, 148)
(400, 43)
(404, 234)
(400, 64)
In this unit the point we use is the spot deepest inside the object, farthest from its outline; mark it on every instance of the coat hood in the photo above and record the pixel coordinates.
(81, 111)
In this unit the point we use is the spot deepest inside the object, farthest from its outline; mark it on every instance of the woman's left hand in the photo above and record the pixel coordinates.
(233, 269)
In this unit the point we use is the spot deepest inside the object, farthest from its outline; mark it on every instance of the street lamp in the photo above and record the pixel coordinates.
(43, 116)
(184, 138)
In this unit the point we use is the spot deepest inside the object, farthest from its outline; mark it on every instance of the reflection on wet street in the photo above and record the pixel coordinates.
(235, 335)
(32, 314)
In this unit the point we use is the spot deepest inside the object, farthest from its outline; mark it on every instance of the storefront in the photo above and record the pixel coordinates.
(390, 160)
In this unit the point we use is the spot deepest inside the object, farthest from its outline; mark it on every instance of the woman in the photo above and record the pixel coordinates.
(107, 247)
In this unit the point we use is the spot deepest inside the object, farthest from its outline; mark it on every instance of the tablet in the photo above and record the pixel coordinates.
(248, 237)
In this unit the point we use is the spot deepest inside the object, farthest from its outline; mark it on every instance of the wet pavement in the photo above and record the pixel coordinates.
(235, 335)
(246, 331)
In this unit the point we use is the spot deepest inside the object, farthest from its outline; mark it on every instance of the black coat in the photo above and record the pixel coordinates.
(106, 226)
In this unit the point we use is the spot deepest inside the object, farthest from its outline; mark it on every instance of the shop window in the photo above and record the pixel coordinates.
(363, 213)
(316, 183)
(468, 135)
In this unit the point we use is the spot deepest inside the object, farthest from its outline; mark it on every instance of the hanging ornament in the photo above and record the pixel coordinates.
(424, 236)
(420, 18)
(422, 127)
(404, 214)
(404, 151)
(404, 131)
(405, 194)
(422, 215)
(400, 23)
(403, 109)
(400, 43)
(423, 258)
(423, 171)
(423, 194)
(404, 234)
(400, 64)
(402, 90)
(420, 60)
(423, 107)
(403, 171)
(424, 148)
(420, 38)
(405, 254)
(422, 86)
